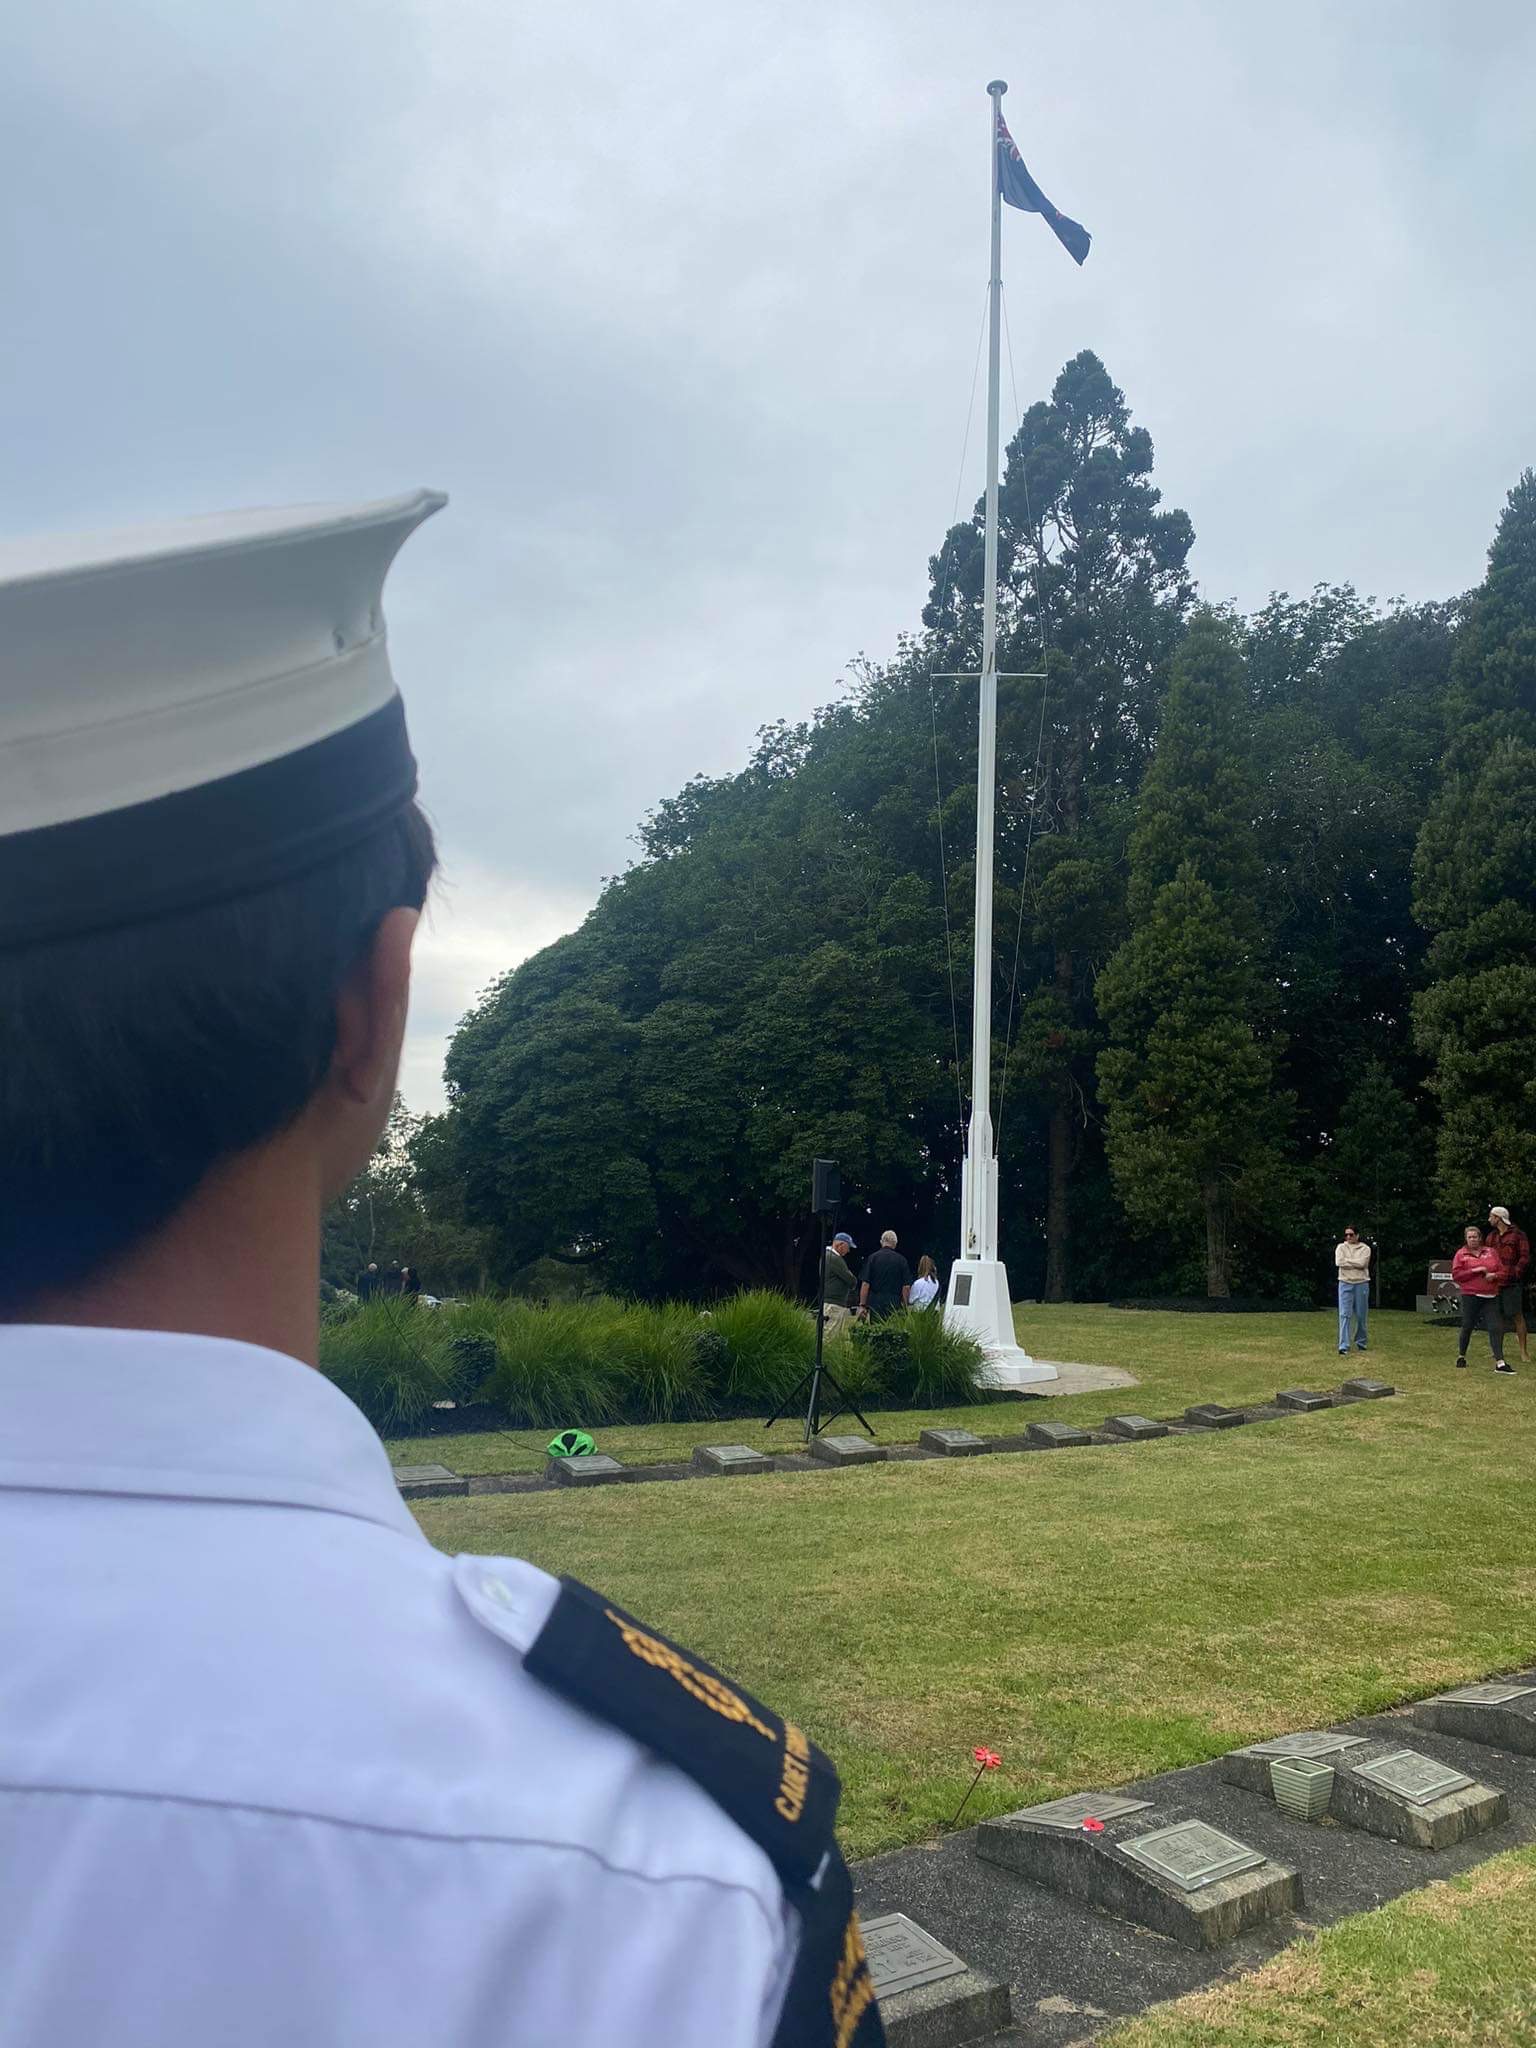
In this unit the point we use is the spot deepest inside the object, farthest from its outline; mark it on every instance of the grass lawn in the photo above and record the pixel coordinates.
(1095, 1615)
(1455, 1964)
(1177, 1358)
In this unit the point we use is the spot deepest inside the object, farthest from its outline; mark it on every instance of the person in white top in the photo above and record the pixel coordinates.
(1352, 1260)
(925, 1288)
(272, 1769)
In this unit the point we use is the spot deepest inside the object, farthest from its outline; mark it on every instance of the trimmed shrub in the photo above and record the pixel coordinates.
(558, 1365)
(945, 1360)
(916, 1356)
(768, 1343)
(391, 1358)
(661, 1362)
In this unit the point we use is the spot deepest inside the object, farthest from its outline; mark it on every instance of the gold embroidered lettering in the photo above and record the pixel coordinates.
(703, 1686)
(796, 1781)
(853, 1990)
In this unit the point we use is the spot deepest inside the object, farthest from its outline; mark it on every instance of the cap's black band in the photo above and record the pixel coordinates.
(208, 845)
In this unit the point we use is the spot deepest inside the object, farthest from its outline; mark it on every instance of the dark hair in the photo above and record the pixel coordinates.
(133, 1061)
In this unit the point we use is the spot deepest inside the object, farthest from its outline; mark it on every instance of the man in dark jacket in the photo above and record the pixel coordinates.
(840, 1286)
(1514, 1250)
(887, 1282)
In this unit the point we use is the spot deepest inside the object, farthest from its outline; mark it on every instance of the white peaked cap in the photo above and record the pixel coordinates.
(194, 710)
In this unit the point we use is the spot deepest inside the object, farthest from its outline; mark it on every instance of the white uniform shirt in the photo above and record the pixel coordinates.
(271, 1772)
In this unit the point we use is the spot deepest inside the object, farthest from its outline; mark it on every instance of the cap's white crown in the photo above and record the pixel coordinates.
(138, 664)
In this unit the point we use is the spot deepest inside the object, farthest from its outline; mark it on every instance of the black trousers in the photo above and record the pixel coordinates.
(1484, 1309)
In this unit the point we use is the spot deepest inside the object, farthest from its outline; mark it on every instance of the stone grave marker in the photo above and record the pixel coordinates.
(1383, 1789)
(595, 1469)
(1057, 1436)
(1211, 1415)
(1135, 1429)
(846, 1450)
(729, 1459)
(929, 1997)
(1367, 1390)
(1318, 1743)
(1192, 1854)
(1301, 1399)
(953, 1443)
(1169, 1871)
(1077, 1807)
(1499, 1713)
(428, 1482)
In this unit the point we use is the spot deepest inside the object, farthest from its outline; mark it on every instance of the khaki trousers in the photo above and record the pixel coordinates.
(834, 1318)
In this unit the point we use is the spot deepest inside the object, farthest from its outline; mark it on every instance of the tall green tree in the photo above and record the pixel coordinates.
(1193, 1123)
(1475, 891)
(1093, 575)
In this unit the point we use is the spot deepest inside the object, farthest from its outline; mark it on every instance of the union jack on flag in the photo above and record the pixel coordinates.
(1020, 189)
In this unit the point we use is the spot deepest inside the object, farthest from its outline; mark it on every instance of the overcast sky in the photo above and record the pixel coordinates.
(680, 304)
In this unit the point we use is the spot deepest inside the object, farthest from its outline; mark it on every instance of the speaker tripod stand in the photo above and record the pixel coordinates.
(819, 1372)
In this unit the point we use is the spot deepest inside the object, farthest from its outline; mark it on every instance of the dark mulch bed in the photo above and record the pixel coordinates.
(474, 1417)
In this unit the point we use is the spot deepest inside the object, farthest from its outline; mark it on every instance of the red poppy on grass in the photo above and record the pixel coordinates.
(987, 1758)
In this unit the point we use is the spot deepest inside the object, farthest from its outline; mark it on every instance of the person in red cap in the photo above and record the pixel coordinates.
(1478, 1271)
(1514, 1248)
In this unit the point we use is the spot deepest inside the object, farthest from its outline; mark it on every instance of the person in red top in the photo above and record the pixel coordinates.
(1479, 1271)
(1514, 1248)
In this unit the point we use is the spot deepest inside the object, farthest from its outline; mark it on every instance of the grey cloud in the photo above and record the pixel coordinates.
(681, 305)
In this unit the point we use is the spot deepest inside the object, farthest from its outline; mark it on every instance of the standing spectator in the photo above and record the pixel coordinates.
(925, 1288)
(1514, 1248)
(368, 1282)
(887, 1282)
(410, 1280)
(1478, 1271)
(839, 1286)
(1353, 1260)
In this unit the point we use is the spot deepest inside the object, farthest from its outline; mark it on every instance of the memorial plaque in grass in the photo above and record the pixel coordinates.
(1367, 1390)
(595, 1469)
(1134, 1429)
(1487, 1695)
(730, 1459)
(1057, 1436)
(1302, 1399)
(1211, 1415)
(846, 1450)
(952, 1443)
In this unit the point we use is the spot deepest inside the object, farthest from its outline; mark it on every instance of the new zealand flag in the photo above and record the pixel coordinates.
(1020, 189)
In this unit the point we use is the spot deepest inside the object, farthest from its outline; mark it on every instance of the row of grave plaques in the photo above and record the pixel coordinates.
(1179, 1875)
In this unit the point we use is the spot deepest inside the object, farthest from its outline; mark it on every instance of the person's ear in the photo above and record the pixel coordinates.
(370, 1030)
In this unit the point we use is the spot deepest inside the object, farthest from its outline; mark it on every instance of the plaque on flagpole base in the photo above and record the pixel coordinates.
(1169, 1871)
(978, 1303)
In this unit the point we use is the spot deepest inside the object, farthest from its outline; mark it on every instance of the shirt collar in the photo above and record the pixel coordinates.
(172, 1416)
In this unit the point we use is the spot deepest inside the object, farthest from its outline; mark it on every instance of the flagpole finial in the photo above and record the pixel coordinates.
(998, 87)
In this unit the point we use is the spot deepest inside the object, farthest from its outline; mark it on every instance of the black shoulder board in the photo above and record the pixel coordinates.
(831, 1998)
(774, 1783)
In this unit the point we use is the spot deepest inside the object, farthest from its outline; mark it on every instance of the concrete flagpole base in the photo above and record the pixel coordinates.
(979, 1302)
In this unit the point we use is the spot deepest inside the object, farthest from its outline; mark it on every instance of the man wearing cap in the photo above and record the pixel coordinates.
(840, 1285)
(272, 1769)
(1514, 1250)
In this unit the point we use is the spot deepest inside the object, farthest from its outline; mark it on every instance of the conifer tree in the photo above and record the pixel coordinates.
(1475, 892)
(1188, 1076)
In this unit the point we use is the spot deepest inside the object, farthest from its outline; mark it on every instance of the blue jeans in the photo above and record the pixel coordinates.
(1354, 1299)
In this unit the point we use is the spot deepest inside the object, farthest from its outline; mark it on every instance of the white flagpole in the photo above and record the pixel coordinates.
(978, 1297)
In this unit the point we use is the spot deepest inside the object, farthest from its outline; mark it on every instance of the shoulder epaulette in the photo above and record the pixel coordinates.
(762, 1770)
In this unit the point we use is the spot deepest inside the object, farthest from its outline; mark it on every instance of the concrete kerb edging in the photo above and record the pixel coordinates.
(1038, 1437)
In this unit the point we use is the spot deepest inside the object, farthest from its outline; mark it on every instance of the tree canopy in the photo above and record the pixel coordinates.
(1261, 884)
